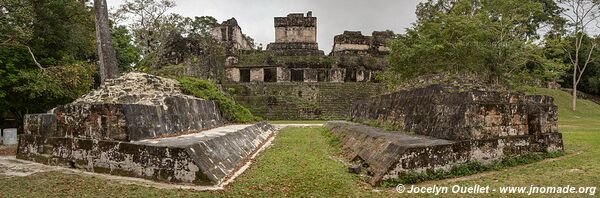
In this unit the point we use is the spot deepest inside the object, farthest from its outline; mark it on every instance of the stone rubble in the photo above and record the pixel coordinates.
(135, 88)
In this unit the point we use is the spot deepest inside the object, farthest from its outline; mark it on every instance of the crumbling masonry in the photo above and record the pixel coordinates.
(295, 35)
(443, 126)
(141, 125)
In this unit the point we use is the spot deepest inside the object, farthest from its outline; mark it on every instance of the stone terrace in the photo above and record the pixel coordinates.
(443, 126)
(141, 125)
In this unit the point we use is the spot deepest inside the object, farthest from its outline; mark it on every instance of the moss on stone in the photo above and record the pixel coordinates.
(209, 91)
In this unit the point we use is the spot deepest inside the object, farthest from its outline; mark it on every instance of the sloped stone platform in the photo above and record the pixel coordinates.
(133, 126)
(203, 158)
(385, 155)
(452, 124)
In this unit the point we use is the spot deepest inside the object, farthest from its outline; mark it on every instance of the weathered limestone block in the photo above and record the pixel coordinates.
(444, 112)
(302, 101)
(337, 75)
(311, 75)
(125, 122)
(206, 158)
(233, 74)
(360, 76)
(283, 74)
(257, 75)
(230, 33)
(443, 126)
(354, 43)
(295, 35)
(295, 49)
(141, 125)
(386, 155)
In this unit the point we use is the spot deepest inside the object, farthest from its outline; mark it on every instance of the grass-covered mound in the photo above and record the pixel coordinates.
(208, 90)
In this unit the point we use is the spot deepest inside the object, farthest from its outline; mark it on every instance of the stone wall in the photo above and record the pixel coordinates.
(450, 113)
(230, 33)
(296, 28)
(444, 125)
(295, 35)
(354, 43)
(381, 155)
(302, 101)
(207, 158)
(125, 122)
(304, 74)
(141, 125)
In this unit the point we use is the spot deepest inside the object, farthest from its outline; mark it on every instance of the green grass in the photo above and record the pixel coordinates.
(588, 112)
(298, 122)
(299, 164)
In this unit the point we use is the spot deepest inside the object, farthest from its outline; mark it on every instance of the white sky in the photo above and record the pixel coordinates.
(255, 17)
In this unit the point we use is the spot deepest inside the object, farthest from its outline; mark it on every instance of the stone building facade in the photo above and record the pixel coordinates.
(307, 75)
(229, 32)
(295, 35)
(354, 43)
(295, 80)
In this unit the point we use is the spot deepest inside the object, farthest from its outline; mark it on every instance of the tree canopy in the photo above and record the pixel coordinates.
(497, 40)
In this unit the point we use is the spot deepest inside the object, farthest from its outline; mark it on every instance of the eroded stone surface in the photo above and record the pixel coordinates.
(451, 126)
(386, 155)
(354, 43)
(295, 35)
(201, 158)
(103, 132)
(134, 88)
(446, 112)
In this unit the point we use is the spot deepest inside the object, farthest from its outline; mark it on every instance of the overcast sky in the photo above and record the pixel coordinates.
(255, 17)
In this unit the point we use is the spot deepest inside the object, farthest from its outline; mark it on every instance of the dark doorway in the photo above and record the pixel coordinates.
(270, 75)
(297, 75)
(244, 75)
(350, 75)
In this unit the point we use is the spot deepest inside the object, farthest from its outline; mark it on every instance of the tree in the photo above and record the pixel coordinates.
(580, 15)
(15, 28)
(493, 39)
(561, 47)
(203, 25)
(63, 30)
(106, 52)
(189, 49)
(147, 17)
(46, 47)
(127, 53)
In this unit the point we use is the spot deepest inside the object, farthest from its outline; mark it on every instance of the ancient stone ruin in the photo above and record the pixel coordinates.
(354, 43)
(442, 126)
(293, 79)
(230, 33)
(295, 35)
(141, 125)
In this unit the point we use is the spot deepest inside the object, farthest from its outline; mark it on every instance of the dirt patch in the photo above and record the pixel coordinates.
(8, 150)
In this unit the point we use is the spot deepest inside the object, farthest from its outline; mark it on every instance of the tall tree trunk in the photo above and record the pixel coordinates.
(106, 52)
(574, 89)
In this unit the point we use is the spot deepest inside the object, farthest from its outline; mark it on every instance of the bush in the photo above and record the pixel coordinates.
(207, 90)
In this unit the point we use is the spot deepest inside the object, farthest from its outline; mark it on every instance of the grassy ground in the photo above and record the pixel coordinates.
(297, 122)
(299, 163)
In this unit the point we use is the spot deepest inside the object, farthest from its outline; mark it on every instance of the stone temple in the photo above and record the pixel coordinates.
(143, 126)
(295, 35)
(230, 33)
(442, 126)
